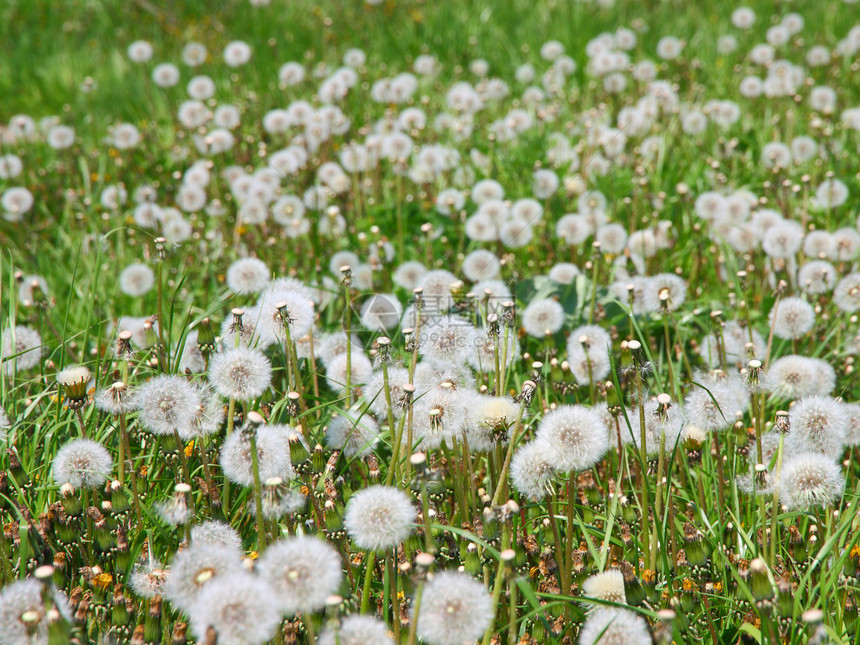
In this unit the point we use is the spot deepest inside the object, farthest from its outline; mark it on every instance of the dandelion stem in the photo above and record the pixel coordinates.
(258, 493)
(774, 524)
(497, 592)
(368, 576)
(500, 484)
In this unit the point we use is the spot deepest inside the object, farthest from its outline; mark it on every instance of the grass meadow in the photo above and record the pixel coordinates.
(400, 322)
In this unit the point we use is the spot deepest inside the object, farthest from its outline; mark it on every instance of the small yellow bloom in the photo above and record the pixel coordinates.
(103, 581)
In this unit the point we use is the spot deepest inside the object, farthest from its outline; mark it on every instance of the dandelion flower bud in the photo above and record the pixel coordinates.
(379, 517)
(303, 571)
(455, 609)
(74, 381)
(83, 463)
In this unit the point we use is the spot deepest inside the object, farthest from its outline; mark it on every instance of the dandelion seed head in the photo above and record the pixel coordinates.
(575, 437)
(216, 532)
(166, 404)
(83, 463)
(197, 566)
(531, 470)
(810, 480)
(273, 455)
(240, 607)
(611, 626)
(455, 609)
(607, 585)
(240, 373)
(357, 630)
(379, 517)
(304, 571)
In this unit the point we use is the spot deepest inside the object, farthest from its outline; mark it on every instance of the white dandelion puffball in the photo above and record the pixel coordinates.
(575, 437)
(606, 585)
(24, 617)
(240, 373)
(195, 567)
(216, 532)
(273, 455)
(542, 317)
(531, 470)
(248, 275)
(136, 280)
(381, 311)
(83, 463)
(237, 53)
(455, 609)
(611, 626)
(357, 630)
(241, 608)
(791, 318)
(304, 571)
(167, 404)
(20, 349)
(379, 517)
(810, 480)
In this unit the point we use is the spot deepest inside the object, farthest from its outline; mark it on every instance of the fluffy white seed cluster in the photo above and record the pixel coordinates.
(379, 517)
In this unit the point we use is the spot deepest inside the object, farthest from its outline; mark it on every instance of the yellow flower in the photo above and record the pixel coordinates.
(103, 581)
